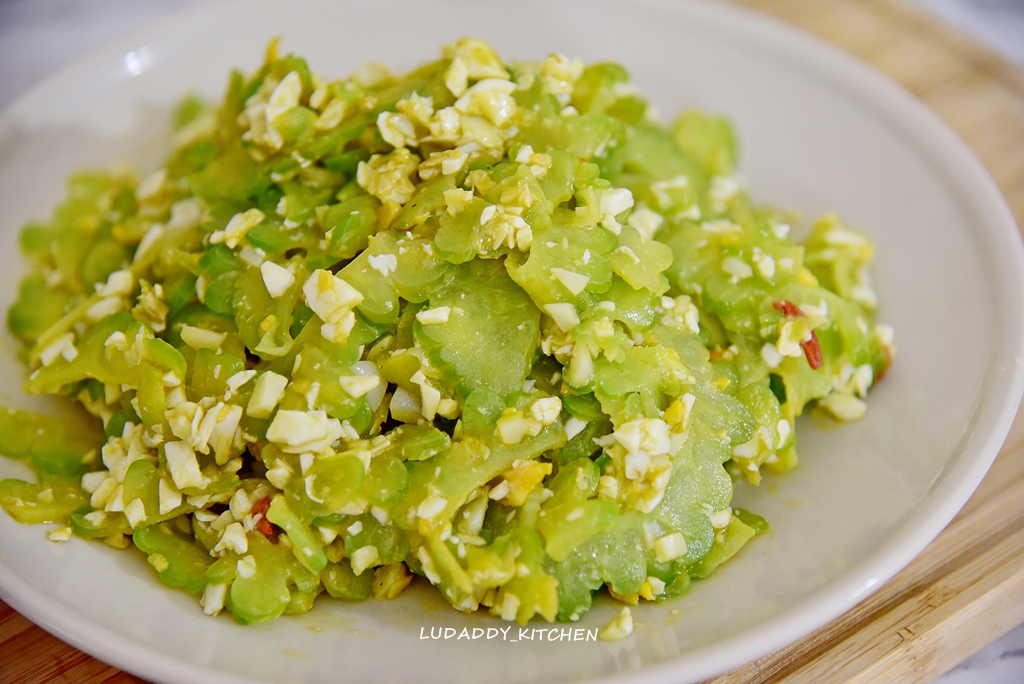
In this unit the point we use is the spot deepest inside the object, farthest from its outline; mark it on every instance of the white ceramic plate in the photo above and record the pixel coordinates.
(820, 131)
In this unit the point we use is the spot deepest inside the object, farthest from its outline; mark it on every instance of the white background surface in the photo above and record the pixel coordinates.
(38, 37)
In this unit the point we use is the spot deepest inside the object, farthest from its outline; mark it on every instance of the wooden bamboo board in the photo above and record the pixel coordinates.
(967, 588)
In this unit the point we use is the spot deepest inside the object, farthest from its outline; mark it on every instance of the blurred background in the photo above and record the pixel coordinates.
(38, 37)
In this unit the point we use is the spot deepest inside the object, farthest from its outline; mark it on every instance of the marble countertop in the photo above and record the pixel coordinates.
(37, 37)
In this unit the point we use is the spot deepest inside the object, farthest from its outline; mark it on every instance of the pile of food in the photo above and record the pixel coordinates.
(486, 323)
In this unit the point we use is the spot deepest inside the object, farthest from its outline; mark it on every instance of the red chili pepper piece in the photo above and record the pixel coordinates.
(885, 368)
(260, 506)
(263, 526)
(812, 350)
(788, 308)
